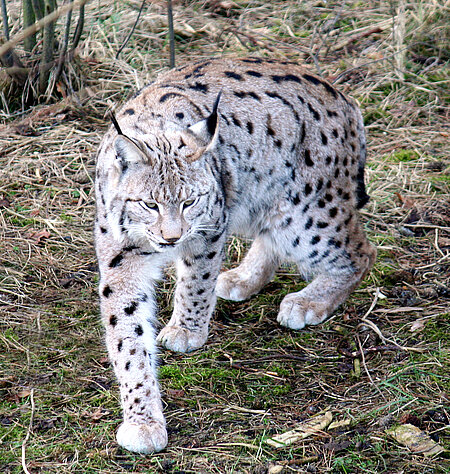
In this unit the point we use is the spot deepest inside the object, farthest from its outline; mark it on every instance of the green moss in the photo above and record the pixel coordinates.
(404, 155)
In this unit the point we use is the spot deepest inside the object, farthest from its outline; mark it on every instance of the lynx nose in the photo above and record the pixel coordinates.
(172, 240)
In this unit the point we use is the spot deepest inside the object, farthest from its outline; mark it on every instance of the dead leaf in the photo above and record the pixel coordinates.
(303, 430)
(38, 235)
(97, 414)
(175, 393)
(24, 393)
(415, 439)
(407, 202)
(417, 325)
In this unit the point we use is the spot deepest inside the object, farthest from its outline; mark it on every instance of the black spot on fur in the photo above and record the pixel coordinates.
(314, 112)
(253, 73)
(113, 320)
(315, 240)
(295, 199)
(129, 111)
(308, 189)
(119, 345)
(322, 225)
(287, 77)
(116, 261)
(250, 127)
(296, 242)
(233, 75)
(308, 160)
(138, 330)
(103, 230)
(324, 138)
(312, 79)
(309, 223)
(107, 291)
(252, 60)
(333, 212)
(198, 86)
(131, 308)
(205, 276)
(302, 133)
(179, 115)
(211, 255)
(127, 365)
(169, 95)
(287, 222)
(236, 120)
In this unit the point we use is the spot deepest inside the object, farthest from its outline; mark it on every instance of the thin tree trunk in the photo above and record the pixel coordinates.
(48, 46)
(29, 18)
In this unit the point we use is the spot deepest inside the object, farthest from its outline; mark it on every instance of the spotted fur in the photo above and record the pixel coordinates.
(260, 148)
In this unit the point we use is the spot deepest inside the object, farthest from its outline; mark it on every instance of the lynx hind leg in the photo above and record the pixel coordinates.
(256, 270)
(342, 269)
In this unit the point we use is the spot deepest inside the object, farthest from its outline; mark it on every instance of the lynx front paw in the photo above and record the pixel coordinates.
(179, 339)
(143, 439)
(296, 312)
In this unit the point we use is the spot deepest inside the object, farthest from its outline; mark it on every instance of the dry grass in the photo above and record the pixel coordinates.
(253, 379)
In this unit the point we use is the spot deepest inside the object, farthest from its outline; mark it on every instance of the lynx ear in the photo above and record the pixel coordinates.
(206, 132)
(127, 152)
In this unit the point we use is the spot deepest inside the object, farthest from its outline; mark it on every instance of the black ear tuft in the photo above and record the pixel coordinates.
(115, 123)
(211, 121)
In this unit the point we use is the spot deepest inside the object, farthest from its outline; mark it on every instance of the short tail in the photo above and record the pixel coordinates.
(362, 198)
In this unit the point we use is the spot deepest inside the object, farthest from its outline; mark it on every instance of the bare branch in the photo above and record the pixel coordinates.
(5, 20)
(132, 30)
(39, 25)
(171, 33)
(78, 29)
(64, 47)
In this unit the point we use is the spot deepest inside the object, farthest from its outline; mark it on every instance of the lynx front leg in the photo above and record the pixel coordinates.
(195, 298)
(128, 312)
(255, 271)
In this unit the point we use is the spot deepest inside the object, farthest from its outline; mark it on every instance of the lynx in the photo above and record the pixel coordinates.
(255, 147)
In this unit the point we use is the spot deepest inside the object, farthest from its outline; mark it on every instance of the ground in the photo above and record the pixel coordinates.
(382, 359)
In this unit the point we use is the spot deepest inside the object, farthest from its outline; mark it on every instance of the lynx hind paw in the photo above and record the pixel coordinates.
(144, 439)
(296, 312)
(230, 286)
(179, 339)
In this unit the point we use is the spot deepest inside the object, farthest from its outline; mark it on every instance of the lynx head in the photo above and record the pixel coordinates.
(160, 185)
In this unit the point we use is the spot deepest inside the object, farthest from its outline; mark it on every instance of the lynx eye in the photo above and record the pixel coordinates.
(188, 203)
(150, 205)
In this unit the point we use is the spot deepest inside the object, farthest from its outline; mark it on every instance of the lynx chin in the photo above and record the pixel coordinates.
(255, 147)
